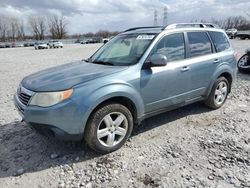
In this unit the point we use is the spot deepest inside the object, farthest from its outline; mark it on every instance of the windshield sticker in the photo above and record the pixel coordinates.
(145, 37)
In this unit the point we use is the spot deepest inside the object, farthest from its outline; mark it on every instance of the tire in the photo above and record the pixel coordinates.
(112, 136)
(241, 69)
(219, 91)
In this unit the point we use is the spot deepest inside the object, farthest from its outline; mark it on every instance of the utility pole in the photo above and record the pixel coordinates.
(165, 16)
(155, 18)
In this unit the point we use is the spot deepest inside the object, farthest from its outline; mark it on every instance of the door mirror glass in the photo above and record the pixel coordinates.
(158, 60)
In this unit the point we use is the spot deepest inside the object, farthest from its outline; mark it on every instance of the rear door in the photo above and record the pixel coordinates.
(202, 62)
(223, 47)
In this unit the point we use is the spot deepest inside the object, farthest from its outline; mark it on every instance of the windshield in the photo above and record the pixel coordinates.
(123, 50)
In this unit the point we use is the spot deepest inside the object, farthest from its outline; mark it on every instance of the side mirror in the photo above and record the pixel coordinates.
(158, 60)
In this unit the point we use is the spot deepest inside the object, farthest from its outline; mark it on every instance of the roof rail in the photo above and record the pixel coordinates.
(183, 25)
(147, 27)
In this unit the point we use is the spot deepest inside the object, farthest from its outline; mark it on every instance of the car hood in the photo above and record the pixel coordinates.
(66, 76)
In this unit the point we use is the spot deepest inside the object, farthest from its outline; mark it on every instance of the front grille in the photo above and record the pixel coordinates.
(23, 96)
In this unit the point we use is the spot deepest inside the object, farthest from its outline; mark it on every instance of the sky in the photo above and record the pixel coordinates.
(117, 15)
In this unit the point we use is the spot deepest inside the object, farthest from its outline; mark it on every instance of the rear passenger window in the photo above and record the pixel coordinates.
(172, 46)
(199, 44)
(220, 41)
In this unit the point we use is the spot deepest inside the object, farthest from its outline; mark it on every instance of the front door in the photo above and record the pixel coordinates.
(165, 86)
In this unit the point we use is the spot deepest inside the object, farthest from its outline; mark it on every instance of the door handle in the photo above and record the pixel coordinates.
(216, 61)
(184, 69)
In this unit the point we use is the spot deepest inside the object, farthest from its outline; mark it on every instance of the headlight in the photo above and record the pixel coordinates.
(45, 99)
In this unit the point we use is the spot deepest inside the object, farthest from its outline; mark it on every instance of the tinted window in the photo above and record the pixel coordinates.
(172, 46)
(220, 41)
(199, 44)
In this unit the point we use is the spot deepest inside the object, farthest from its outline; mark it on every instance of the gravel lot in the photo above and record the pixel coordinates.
(188, 147)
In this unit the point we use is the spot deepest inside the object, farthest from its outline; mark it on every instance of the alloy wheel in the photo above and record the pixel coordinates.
(221, 93)
(112, 129)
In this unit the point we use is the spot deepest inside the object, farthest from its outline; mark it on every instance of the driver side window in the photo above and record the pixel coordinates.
(172, 46)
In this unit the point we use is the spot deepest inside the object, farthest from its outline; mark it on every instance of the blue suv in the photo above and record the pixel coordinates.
(139, 73)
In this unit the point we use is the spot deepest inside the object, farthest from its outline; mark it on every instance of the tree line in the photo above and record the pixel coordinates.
(13, 28)
(98, 34)
(237, 22)
(56, 27)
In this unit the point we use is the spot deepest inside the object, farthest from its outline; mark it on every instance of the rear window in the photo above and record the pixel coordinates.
(199, 44)
(220, 41)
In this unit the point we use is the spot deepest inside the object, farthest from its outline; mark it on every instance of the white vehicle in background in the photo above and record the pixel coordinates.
(41, 45)
(55, 44)
(231, 33)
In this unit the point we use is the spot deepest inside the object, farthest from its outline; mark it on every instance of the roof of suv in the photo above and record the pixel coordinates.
(180, 26)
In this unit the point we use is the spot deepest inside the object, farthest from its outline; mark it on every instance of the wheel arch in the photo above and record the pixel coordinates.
(119, 93)
(225, 72)
(125, 101)
(229, 78)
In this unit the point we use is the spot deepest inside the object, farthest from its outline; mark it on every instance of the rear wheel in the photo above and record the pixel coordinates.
(108, 128)
(218, 94)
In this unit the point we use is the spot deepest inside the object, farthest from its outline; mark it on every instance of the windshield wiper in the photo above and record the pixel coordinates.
(102, 63)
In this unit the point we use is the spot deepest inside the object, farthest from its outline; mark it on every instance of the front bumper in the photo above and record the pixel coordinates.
(63, 121)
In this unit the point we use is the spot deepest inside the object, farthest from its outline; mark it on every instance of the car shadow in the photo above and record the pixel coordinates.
(170, 116)
(23, 148)
(244, 76)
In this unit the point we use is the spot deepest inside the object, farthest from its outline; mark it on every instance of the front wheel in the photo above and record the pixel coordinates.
(218, 94)
(108, 128)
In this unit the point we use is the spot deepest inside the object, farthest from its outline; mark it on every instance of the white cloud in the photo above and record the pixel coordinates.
(92, 15)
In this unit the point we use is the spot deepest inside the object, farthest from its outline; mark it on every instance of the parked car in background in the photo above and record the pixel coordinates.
(29, 44)
(141, 72)
(89, 41)
(8, 45)
(2, 45)
(83, 42)
(19, 45)
(105, 40)
(26, 44)
(41, 45)
(243, 34)
(13, 45)
(231, 33)
(55, 44)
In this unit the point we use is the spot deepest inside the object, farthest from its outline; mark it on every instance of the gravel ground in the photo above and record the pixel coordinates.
(188, 147)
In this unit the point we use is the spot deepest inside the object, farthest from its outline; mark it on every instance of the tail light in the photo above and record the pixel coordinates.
(236, 56)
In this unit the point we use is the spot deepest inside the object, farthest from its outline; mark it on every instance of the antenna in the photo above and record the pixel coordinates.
(155, 18)
(165, 15)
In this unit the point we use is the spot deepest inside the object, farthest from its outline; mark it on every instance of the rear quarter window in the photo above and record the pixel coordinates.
(220, 41)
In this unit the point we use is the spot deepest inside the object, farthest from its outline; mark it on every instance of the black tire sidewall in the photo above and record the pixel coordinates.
(96, 118)
(242, 70)
(213, 104)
